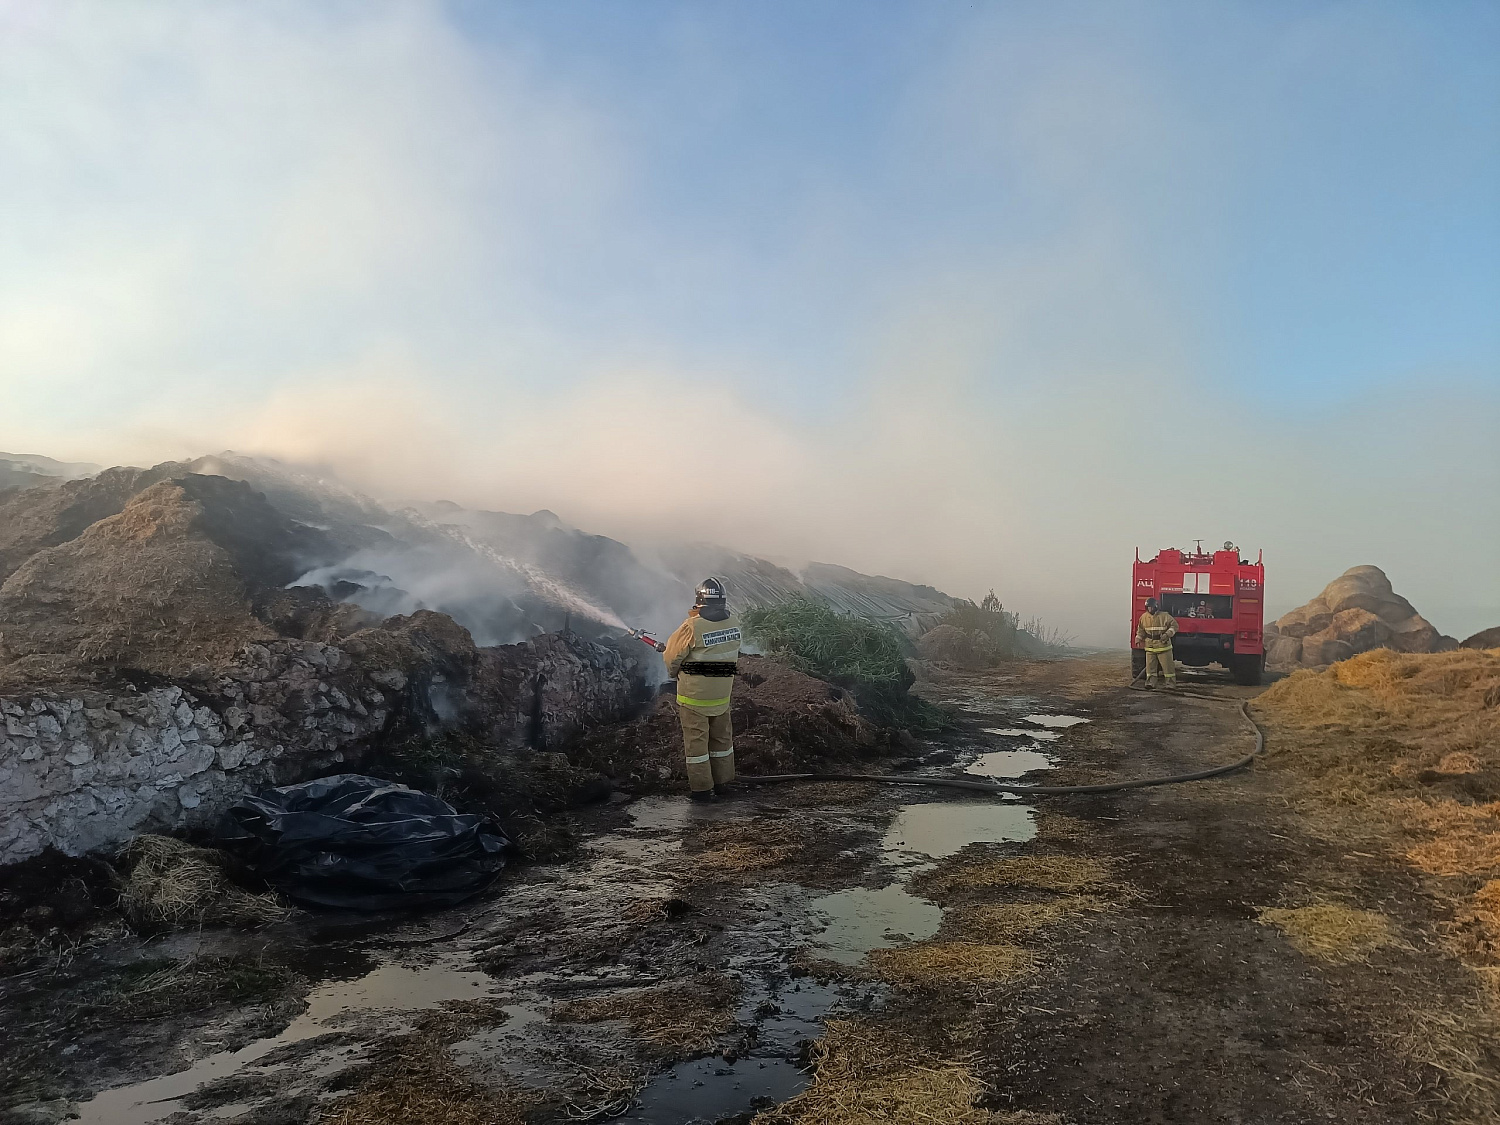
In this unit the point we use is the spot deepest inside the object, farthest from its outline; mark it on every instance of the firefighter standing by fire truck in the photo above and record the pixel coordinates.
(703, 654)
(1154, 633)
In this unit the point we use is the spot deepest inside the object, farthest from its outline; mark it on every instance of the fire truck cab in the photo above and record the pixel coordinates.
(1218, 600)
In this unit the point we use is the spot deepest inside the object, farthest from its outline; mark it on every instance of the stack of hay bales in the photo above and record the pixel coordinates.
(1357, 612)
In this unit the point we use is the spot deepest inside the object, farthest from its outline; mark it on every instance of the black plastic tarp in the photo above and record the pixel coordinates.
(360, 843)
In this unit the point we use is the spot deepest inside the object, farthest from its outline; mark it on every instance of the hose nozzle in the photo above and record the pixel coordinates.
(647, 639)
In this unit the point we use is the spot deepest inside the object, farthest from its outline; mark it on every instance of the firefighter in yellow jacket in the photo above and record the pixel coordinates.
(703, 654)
(1154, 632)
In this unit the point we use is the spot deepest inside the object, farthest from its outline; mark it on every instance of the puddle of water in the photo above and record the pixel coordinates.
(1018, 732)
(518, 1018)
(860, 920)
(514, 1044)
(673, 814)
(1053, 720)
(943, 828)
(519, 1015)
(786, 1015)
(1010, 763)
(387, 987)
(394, 987)
(224, 1112)
(799, 1019)
(792, 1013)
(662, 814)
(703, 1091)
(627, 855)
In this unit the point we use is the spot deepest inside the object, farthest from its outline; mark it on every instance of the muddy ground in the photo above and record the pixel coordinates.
(1062, 959)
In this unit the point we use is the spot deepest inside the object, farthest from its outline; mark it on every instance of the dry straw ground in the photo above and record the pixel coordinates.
(742, 848)
(823, 794)
(864, 1074)
(1012, 921)
(414, 1078)
(1410, 742)
(1405, 749)
(176, 885)
(1377, 722)
(684, 1016)
(977, 943)
(1062, 873)
(1331, 930)
(948, 962)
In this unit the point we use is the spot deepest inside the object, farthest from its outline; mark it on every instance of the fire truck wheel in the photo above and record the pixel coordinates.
(1137, 664)
(1247, 668)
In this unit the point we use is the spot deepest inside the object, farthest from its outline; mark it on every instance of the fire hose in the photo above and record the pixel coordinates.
(997, 788)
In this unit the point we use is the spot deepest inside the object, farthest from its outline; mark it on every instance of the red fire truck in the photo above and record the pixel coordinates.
(1218, 599)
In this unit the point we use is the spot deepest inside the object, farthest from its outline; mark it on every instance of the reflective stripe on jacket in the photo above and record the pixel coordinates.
(1154, 631)
(699, 641)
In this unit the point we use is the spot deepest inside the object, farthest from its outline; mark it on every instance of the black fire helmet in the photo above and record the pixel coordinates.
(1152, 605)
(710, 591)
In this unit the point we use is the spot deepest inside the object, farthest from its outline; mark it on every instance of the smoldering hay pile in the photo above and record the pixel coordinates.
(173, 637)
(505, 577)
(23, 470)
(158, 659)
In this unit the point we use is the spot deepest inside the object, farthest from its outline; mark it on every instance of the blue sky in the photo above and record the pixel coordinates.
(984, 293)
(1318, 183)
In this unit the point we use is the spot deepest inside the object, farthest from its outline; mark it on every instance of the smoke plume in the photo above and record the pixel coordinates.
(992, 347)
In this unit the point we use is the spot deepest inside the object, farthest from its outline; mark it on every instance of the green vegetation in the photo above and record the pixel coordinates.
(995, 630)
(816, 639)
(866, 657)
